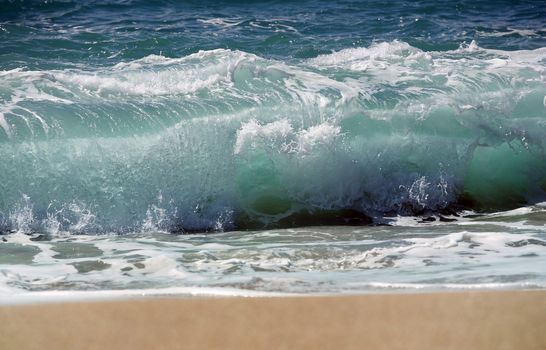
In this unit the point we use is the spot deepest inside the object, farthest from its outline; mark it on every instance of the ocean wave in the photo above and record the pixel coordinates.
(222, 139)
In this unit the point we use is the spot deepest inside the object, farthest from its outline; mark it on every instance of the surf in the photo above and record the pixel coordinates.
(225, 139)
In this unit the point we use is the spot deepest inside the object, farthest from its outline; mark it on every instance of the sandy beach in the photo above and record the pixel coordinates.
(444, 320)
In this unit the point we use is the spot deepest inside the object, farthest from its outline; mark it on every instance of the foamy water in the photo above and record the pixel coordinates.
(498, 251)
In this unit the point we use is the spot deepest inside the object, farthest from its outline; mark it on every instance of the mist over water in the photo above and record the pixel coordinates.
(140, 119)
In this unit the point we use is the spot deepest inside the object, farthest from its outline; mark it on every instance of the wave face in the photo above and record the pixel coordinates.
(224, 139)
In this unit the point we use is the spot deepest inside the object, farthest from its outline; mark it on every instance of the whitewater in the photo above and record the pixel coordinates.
(224, 139)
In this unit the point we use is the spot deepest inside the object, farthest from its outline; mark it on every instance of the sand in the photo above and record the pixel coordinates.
(462, 320)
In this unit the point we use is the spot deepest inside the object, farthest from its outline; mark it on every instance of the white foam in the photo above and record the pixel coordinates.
(54, 296)
(385, 286)
(281, 136)
(222, 22)
(377, 56)
(509, 31)
(473, 46)
(252, 131)
(322, 134)
(144, 83)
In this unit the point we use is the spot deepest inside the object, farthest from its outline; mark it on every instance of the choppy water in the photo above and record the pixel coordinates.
(120, 120)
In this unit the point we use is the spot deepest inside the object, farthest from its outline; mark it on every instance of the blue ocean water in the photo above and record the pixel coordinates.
(412, 132)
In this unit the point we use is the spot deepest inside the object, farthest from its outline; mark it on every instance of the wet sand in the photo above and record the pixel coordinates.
(460, 320)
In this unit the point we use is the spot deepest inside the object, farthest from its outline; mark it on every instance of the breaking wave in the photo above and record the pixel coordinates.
(225, 139)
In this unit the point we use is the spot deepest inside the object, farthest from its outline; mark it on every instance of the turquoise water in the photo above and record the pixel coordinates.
(414, 123)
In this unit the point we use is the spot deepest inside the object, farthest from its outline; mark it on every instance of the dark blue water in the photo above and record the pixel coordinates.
(53, 34)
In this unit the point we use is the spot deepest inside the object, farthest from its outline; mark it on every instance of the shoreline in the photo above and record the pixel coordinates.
(461, 320)
(46, 297)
